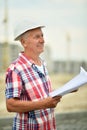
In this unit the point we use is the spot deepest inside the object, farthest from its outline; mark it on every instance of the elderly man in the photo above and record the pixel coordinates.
(28, 84)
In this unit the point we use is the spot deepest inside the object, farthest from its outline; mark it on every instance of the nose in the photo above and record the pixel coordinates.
(41, 40)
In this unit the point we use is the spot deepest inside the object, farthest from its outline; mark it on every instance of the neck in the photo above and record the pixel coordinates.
(35, 58)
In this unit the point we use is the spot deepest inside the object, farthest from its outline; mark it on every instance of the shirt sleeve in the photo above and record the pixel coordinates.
(13, 85)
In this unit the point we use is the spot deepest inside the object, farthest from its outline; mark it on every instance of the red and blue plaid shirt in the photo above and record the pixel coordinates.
(25, 81)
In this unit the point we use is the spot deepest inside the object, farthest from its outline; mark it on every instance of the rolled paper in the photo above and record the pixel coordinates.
(72, 85)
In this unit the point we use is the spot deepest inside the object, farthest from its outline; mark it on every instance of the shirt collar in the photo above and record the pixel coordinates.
(29, 61)
(25, 60)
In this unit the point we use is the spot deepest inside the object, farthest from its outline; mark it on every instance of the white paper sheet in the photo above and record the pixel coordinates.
(72, 85)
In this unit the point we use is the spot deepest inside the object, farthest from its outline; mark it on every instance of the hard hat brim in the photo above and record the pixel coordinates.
(24, 28)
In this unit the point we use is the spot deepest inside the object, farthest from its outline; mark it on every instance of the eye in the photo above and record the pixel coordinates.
(42, 35)
(37, 36)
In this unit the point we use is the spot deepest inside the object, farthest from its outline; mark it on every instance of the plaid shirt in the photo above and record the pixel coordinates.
(25, 81)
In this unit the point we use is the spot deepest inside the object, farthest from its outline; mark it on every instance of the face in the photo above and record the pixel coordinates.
(34, 41)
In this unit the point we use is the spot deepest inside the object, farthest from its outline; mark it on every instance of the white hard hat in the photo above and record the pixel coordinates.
(23, 27)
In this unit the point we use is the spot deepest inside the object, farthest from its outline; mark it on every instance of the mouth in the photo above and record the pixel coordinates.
(40, 45)
(40, 48)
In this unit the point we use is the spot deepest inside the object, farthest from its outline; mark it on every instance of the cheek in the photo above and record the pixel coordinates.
(31, 46)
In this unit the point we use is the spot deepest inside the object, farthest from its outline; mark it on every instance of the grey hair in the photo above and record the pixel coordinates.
(24, 36)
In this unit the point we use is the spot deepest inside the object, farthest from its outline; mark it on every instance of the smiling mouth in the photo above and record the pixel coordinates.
(41, 46)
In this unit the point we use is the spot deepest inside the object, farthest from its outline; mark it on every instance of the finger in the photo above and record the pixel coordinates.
(57, 97)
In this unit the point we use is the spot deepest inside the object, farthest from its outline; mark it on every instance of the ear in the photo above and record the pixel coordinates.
(23, 43)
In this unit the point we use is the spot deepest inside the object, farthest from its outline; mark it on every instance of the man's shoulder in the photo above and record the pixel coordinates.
(16, 64)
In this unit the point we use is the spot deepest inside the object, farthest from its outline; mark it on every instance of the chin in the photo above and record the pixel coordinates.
(40, 51)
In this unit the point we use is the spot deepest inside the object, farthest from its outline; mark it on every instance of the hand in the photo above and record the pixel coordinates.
(51, 102)
(74, 91)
